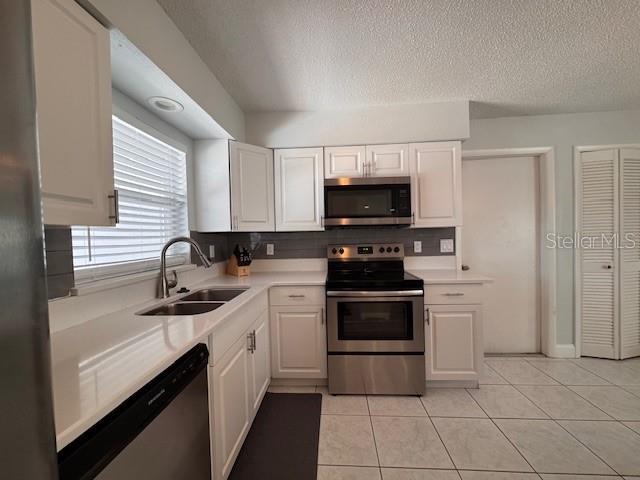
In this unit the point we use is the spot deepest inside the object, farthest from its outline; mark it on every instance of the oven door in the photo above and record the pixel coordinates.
(374, 322)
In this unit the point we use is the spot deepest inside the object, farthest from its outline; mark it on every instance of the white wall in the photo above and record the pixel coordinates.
(360, 126)
(148, 27)
(138, 116)
(562, 132)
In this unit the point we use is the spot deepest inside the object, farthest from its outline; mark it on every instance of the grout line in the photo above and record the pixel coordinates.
(568, 360)
(504, 435)
(373, 434)
(591, 403)
(586, 446)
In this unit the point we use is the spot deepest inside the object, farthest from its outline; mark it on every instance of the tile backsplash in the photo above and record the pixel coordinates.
(58, 250)
(314, 244)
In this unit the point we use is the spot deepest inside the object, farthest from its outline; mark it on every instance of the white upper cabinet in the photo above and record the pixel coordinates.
(299, 182)
(436, 185)
(387, 160)
(252, 195)
(344, 162)
(73, 100)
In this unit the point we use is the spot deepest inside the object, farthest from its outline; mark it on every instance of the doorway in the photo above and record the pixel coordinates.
(500, 239)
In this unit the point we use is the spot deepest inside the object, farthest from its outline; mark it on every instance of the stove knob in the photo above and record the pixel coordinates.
(334, 250)
(341, 251)
(381, 250)
(388, 249)
(397, 249)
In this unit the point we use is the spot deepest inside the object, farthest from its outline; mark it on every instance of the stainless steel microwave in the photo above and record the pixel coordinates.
(367, 201)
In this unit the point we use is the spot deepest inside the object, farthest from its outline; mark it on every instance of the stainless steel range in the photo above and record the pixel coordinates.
(375, 323)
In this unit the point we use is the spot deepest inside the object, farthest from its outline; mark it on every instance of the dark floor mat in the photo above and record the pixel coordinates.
(283, 441)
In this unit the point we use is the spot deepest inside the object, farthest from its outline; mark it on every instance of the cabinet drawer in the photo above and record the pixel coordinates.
(452, 294)
(297, 296)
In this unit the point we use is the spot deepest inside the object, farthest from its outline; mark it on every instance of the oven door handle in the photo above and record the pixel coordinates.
(369, 293)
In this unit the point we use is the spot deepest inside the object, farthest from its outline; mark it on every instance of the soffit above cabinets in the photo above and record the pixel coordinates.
(135, 75)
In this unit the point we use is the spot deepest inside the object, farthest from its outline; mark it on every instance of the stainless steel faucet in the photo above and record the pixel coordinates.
(164, 284)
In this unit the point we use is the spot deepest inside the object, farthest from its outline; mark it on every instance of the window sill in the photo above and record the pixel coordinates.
(116, 282)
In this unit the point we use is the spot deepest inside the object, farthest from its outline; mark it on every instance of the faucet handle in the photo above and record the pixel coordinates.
(172, 282)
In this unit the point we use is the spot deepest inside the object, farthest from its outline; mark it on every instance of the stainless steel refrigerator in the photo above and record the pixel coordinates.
(27, 434)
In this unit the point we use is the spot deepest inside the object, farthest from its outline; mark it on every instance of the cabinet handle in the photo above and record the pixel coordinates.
(413, 218)
(608, 267)
(322, 316)
(427, 314)
(250, 340)
(116, 208)
(253, 341)
(296, 296)
(453, 294)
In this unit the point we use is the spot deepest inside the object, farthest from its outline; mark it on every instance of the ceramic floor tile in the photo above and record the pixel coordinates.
(328, 472)
(561, 403)
(550, 449)
(615, 401)
(280, 389)
(477, 444)
(410, 442)
(343, 404)
(418, 474)
(396, 406)
(451, 402)
(490, 377)
(614, 443)
(614, 371)
(520, 372)
(346, 440)
(504, 401)
(635, 426)
(476, 475)
(553, 476)
(567, 372)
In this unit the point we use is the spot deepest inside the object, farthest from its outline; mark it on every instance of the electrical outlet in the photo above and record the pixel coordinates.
(270, 250)
(212, 251)
(417, 246)
(446, 245)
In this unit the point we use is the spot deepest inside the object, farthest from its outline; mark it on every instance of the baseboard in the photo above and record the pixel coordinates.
(565, 350)
(298, 382)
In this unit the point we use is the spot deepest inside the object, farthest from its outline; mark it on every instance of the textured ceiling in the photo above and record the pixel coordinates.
(509, 57)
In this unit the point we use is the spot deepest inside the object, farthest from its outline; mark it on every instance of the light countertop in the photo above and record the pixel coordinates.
(98, 364)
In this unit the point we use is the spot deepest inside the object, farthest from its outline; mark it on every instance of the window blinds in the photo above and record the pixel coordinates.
(151, 180)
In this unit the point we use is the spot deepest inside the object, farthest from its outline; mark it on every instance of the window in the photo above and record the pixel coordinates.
(151, 180)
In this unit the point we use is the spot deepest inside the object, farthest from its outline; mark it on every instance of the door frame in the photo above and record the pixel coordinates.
(577, 271)
(547, 268)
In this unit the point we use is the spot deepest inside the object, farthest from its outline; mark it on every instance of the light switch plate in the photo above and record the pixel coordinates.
(417, 246)
(212, 251)
(446, 245)
(270, 250)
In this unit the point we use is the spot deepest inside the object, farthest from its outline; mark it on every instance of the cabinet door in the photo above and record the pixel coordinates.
(231, 406)
(344, 162)
(453, 342)
(252, 198)
(298, 342)
(73, 95)
(388, 160)
(260, 361)
(436, 184)
(299, 183)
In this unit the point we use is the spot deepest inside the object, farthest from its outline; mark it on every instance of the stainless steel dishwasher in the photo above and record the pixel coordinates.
(160, 432)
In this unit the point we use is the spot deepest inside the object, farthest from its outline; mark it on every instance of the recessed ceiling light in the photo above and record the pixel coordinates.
(164, 104)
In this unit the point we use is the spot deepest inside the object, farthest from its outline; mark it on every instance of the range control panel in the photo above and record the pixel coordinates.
(360, 252)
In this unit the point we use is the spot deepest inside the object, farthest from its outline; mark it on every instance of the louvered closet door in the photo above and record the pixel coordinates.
(630, 254)
(597, 218)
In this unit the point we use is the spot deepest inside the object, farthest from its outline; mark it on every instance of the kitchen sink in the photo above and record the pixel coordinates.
(214, 295)
(183, 308)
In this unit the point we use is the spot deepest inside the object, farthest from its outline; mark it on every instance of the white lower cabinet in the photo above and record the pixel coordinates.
(231, 406)
(239, 381)
(454, 347)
